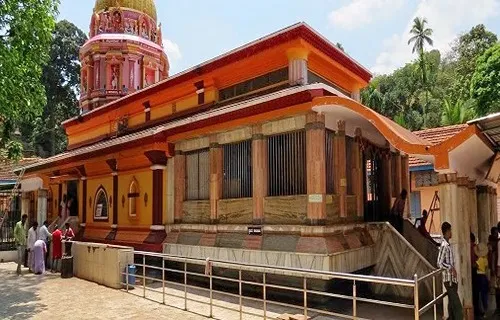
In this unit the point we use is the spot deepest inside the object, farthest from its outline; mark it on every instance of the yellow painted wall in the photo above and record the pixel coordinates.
(426, 196)
(144, 216)
(93, 185)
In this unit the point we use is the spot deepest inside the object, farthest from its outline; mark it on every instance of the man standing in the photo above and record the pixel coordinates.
(32, 238)
(446, 261)
(56, 248)
(20, 236)
(45, 236)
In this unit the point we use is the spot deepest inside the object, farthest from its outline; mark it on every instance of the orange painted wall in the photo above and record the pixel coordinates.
(92, 186)
(145, 181)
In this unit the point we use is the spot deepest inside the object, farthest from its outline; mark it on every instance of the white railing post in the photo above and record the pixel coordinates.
(163, 277)
(211, 294)
(241, 294)
(434, 296)
(126, 275)
(264, 294)
(185, 286)
(416, 298)
(354, 303)
(144, 276)
(305, 297)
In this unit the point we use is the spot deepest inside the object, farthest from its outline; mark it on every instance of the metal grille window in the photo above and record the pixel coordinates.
(287, 164)
(426, 179)
(237, 170)
(261, 82)
(350, 144)
(198, 175)
(315, 78)
(330, 182)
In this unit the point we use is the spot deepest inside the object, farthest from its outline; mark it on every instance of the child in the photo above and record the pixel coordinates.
(482, 275)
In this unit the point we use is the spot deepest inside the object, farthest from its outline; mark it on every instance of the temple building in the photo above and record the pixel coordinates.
(264, 153)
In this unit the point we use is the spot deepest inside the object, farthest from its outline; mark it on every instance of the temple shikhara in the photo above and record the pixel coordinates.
(264, 153)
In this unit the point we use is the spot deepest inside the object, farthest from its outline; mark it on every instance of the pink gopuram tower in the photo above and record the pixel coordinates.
(124, 52)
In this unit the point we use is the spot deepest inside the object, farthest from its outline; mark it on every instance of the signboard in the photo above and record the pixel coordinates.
(315, 198)
(254, 231)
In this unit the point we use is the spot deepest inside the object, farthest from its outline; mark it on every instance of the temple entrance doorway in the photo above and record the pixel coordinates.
(72, 196)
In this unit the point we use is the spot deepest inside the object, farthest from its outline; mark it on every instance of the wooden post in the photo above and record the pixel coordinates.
(84, 200)
(473, 218)
(453, 209)
(358, 173)
(493, 206)
(405, 182)
(158, 160)
(215, 179)
(180, 185)
(316, 169)
(260, 174)
(340, 175)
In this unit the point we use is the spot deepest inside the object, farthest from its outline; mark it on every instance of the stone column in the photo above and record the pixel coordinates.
(215, 180)
(180, 185)
(259, 174)
(473, 218)
(358, 174)
(42, 206)
(453, 209)
(483, 213)
(493, 206)
(84, 201)
(125, 73)
(102, 73)
(405, 182)
(340, 168)
(158, 160)
(316, 168)
(297, 66)
(115, 199)
(170, 191)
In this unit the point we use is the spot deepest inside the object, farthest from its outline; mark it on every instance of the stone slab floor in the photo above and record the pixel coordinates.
(50, 297)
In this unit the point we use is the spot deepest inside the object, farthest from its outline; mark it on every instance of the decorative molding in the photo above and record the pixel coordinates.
(114, 226)
(83, 225)
(157, 228)
(158, 167)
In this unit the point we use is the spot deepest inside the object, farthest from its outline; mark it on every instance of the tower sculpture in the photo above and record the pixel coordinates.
(124, 52)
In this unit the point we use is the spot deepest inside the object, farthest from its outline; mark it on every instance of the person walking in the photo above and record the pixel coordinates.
(32, 238)
(482, 284)
(45, 236)
(20, 237)
(397, 211)
(56, 248)
(446, 261)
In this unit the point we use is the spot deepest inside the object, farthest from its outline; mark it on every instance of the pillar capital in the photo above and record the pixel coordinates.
(112, 164)
(444, 178)
(297, 53)
(341, 127)
(157, 157)
(463, 181)
(472, 184)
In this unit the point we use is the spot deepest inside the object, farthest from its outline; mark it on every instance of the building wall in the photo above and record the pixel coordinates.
(144, 214)
(93, 184)
(426, 196)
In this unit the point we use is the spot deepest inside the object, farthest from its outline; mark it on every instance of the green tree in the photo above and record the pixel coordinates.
(25, 35)
(61, 78)
(458, 112)
(421, 35)
(485, 85)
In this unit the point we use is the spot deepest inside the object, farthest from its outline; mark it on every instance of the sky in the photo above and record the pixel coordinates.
(373, 32)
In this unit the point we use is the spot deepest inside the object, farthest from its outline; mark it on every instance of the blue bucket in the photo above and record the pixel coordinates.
(131, 274)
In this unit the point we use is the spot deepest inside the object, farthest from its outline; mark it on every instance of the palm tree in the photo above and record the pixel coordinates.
(457, 113)
(420, 36)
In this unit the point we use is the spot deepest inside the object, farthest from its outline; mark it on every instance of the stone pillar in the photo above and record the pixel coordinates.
(453, 209)
(405, 182)
(170, 191)
(115, 199)
(493, 206)
(125, 73)
(84, 201)
(158, 160)
(215, 180)
(42, 206)
(259, 174)
(340, 167)
(483, 213)
(180, 185)
(316, 168)
(358, 175)
(297, 66)
(473, 218)
(102, 73)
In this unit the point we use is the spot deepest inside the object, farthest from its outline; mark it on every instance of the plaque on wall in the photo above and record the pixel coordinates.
(254, 231)
(315, 198)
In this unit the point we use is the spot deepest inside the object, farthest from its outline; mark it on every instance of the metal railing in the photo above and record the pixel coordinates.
(305, 290)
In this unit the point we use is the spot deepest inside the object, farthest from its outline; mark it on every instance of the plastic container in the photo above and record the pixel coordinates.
(131, 275)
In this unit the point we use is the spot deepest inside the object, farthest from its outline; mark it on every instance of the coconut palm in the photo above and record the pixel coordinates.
(421, 35)
(457, 113)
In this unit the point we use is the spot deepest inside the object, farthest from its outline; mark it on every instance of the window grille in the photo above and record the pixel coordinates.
(287, 164)
(314, 78)
(198, 175)
(426, 179)
(237, 170)
(330, 175)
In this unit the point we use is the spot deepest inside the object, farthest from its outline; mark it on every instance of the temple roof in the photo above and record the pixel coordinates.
(436, 136)
(145, 6)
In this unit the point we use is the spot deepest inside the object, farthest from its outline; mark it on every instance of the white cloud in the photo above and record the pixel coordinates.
(363, 12)
(447, 18)
(172, 50)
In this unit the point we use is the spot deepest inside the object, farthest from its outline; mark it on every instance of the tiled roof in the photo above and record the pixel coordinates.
(436, 136)
(7, 167)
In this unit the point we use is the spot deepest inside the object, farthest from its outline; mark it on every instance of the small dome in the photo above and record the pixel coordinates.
(145, 6)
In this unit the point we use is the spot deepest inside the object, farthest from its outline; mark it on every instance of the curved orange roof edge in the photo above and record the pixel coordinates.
(456, 140)
(399, 137)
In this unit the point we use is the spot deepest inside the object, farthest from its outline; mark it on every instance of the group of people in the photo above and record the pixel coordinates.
(485, 265)
(36, 243)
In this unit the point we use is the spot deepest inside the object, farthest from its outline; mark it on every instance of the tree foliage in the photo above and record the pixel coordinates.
(61, 79)
(449, 95)
(485, 85)
(25, 35)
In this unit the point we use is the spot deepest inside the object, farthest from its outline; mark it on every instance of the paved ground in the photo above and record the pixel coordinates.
(48, 297)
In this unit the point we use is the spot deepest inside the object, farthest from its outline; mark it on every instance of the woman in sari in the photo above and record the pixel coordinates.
(39, 251)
